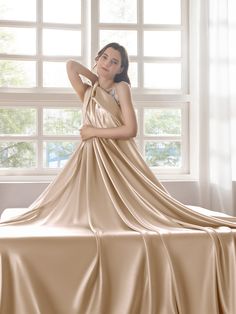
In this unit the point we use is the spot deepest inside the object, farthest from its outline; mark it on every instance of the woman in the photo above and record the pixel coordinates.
(112, 66)
(153, 254)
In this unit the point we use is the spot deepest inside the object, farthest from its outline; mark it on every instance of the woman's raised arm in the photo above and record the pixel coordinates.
(74, 70)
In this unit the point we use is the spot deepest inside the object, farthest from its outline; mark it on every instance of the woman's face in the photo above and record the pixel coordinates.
(109, 64)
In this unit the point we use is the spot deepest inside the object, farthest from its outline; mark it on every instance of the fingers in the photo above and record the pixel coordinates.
(83, 134)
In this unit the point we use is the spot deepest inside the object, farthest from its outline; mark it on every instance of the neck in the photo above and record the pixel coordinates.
(105, 84)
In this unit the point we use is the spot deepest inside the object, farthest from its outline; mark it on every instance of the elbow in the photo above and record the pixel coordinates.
(132, 132)
(135, 130)
(69, 64)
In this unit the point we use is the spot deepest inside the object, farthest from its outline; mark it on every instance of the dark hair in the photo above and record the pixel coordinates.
(123, 76)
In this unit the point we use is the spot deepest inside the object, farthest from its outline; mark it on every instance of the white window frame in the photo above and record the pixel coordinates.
(151, 98)
(40, 97)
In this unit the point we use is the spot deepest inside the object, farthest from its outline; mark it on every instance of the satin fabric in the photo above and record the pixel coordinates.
(105, 237)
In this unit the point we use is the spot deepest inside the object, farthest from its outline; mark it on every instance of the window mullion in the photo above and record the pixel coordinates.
(86, 38)
(141, 131)
(40, 138)
(39, 44)
(95, 34)
(185, 46)
(140, 55)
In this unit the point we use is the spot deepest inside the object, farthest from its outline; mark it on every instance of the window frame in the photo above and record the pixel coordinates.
(143, 98)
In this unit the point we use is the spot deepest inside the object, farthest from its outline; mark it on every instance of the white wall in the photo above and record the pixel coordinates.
(23, 194)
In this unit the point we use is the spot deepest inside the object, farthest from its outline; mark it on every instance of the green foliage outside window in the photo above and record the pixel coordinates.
(10, 73)
(66, 122)
(162, 121)
(17, 155)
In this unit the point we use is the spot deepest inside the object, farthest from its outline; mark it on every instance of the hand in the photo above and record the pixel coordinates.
(87, 132)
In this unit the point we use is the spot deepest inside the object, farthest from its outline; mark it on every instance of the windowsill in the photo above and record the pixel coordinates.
(68, 93)
(49, 178)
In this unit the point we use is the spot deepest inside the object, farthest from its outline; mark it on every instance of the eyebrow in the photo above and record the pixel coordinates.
(112, 58)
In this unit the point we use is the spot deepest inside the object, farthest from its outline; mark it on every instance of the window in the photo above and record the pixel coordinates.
(39, 113)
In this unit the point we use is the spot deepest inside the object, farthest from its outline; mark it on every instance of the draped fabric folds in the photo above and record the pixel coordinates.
(105, 237)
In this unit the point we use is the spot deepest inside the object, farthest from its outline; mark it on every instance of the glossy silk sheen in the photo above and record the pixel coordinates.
(106, 238)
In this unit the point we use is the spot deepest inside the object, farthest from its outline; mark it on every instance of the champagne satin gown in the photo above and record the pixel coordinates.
(105, 237)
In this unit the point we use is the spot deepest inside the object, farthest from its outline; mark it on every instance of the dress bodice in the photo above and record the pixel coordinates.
(101, 108)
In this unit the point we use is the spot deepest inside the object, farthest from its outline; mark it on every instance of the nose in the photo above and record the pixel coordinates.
(107, 63)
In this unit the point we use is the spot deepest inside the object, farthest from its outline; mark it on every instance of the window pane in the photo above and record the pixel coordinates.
(17, 155)
(63, 11)
(162, 75)
(162, 121)
(62, 121)
(133, 74)
(61, 42)
(118, 11)
(17, 40)
(168, 43)
(163, 154)
(54, 75)
(17, 121)
(128, 39)
(162, 12)
(17, 73)
(57, 153)
(23, 10)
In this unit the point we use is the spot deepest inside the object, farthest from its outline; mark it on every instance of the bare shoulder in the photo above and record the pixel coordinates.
(122, 86)
(123, 90)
